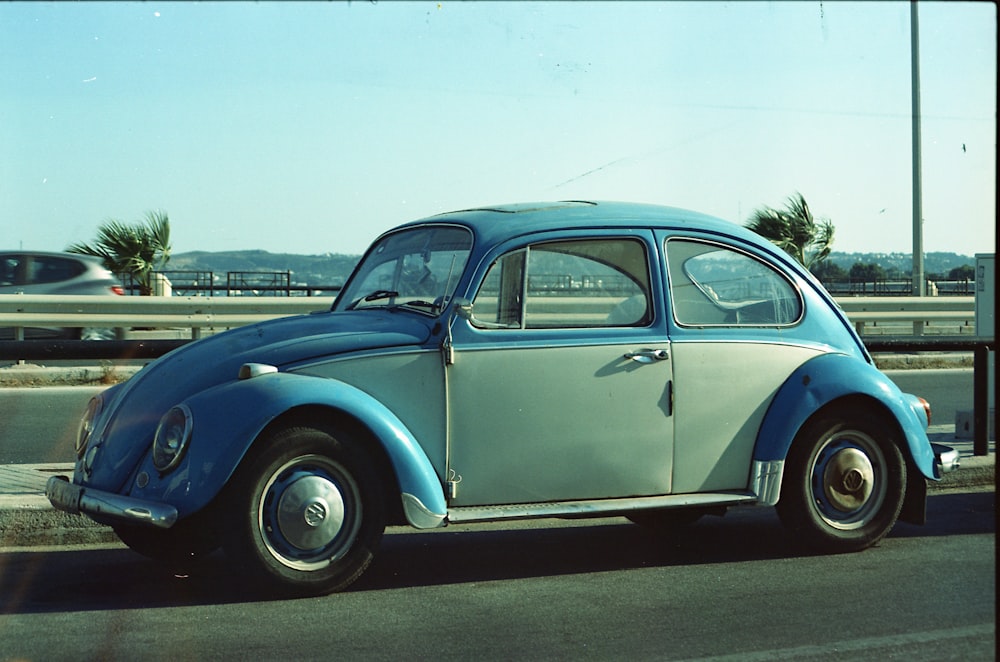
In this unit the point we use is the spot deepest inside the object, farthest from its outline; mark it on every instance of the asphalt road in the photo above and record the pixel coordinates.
(732, 588)
(948, 390)
(39, 424)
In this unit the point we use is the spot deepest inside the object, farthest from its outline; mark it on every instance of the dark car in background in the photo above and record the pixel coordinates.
(37, 272)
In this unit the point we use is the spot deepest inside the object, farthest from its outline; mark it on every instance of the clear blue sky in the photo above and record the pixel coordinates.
(311, 128)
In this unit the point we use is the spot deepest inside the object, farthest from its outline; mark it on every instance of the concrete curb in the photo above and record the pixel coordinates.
(31, 375)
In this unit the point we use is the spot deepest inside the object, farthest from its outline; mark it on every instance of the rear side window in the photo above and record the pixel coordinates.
(46, 269)
(715, 285)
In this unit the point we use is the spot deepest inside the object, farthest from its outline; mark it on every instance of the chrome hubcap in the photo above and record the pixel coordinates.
(310, 513)
(848, 479)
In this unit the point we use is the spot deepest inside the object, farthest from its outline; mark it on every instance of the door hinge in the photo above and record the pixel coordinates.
(451, 486)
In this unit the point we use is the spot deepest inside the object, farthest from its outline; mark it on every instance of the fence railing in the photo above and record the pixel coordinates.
(187, 282)
(920, 311)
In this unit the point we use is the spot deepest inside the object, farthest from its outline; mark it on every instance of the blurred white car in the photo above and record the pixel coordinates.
(35, 272)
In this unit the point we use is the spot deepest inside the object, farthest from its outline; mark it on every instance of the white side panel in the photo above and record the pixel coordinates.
(559, 423)
(721, 393)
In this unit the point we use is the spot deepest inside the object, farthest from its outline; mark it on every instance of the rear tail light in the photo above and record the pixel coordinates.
(927, 409)
(117, 289)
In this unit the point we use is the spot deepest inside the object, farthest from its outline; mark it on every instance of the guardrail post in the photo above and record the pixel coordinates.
(19, 336)
(980, 400)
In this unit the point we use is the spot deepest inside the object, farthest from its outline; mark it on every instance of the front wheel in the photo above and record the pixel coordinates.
(308, 513)
(844, 482)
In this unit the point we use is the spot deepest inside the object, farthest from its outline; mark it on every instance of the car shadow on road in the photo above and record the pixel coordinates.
(72, 580)
(446, 556)
(952, 514)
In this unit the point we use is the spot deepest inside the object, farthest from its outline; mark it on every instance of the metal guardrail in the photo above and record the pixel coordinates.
(20, 311)
(918, 310)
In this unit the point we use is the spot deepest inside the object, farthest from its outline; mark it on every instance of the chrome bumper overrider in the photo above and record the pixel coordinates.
(946, 457)
(71, 498)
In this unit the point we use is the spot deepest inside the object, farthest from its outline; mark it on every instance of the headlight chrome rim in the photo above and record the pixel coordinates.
(172, 437)
(86, 428)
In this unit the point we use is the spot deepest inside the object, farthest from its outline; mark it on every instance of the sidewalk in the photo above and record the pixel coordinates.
(27, 518)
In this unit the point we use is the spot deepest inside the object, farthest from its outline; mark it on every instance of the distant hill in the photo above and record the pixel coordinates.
(902, 263)
(329, 269)
(332, 269)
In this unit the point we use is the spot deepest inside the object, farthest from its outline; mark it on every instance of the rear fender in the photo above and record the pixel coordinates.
(227, 419)
(829, 377)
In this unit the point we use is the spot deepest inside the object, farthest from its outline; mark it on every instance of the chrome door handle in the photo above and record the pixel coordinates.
(648, 355)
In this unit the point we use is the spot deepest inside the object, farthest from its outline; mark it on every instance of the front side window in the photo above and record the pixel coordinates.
(9, 266)
(567, 284)
(417, 268)
(714, 285)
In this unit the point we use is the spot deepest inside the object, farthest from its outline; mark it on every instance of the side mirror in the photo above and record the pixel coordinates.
(463, 308)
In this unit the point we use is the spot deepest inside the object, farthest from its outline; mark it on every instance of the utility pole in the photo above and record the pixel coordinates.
(919, 285)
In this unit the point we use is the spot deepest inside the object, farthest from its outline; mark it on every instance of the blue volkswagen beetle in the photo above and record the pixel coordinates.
(572, 359)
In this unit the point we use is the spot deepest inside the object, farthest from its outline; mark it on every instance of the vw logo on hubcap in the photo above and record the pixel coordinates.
(315, 513)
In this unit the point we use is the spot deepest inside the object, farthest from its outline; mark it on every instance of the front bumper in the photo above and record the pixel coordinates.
(946, 458)
(107, 506)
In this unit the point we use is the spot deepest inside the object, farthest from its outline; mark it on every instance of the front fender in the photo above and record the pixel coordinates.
(229, 417)
(826, 378)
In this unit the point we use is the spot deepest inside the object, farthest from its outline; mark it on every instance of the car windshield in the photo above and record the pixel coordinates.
(417, 268)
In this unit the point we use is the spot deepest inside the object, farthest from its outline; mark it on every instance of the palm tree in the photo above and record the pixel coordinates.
(135, 249)
(794, 230)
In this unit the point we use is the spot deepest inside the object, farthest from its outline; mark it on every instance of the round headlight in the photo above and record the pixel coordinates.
(172, 437)
(87, 423)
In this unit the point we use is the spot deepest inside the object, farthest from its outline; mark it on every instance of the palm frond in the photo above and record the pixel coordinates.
(794, 230)
(134, 249)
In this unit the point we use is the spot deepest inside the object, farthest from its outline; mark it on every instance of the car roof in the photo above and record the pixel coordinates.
(72, 256)
(498, 222)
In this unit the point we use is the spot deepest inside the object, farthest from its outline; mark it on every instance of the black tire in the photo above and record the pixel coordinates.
(307, 512)
(664, 520)
(185, 543)
(844, 481)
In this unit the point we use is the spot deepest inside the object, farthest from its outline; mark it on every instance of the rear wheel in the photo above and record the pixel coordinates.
(667, 519)
(844, 481)
(307, 512)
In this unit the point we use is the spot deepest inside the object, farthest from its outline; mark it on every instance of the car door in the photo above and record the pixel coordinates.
(560, 387)
(733, 320)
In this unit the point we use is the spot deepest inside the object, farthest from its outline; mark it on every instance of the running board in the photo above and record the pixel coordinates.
(595, 507)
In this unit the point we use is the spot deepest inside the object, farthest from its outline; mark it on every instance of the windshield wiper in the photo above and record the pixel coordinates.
(419, 303)
(374, 296)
